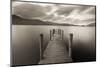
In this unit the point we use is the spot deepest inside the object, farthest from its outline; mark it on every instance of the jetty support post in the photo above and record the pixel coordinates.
(50, 34)
(53, 31)
(62, 34)
(70, 44)
(59, 31)
(41, 46)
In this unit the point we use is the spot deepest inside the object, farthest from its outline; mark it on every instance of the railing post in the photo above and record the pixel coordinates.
(53, 31)
(62, 34)
(41, 46)
(50, 34)
(59, 31)
(70, 44)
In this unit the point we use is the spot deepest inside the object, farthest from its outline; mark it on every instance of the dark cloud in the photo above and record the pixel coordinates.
(82, 8)
(29, 11)
(74, 14)
(65, 10)
(92, 11)
(48, 17)
(48, 8)
(15, 0)
(90, 20)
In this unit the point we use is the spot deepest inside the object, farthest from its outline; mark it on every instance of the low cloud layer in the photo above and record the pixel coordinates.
(56, 13)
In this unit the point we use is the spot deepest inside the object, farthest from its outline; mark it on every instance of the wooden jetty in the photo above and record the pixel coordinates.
(56, 51)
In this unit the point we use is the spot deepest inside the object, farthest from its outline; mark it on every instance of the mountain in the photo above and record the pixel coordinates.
(16, 20)
(92, 24)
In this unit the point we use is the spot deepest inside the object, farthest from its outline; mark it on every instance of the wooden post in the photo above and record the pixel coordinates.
(70, 44)
(50, 34)
(41, 46)
(53, 31)
(59, 31)
(62, 34)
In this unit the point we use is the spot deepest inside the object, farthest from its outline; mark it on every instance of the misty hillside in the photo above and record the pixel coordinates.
(16, 20)
(92, 24)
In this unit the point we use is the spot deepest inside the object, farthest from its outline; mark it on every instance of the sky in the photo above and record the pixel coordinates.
(55, 13)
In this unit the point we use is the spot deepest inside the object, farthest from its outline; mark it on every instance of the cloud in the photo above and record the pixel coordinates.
(65, 10)
(82, 17)
(29, 11)
(56, 13)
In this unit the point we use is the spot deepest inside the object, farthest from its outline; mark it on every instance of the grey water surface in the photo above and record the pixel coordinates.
(26, 41)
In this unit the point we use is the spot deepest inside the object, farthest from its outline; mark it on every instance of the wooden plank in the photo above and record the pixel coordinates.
(56, 51)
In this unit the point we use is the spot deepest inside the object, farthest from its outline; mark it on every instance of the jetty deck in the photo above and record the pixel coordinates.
(56, 51)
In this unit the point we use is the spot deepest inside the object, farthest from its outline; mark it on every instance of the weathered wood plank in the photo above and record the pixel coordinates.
(56, 51)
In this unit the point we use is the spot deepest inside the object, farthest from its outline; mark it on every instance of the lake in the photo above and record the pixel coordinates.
(26, 40)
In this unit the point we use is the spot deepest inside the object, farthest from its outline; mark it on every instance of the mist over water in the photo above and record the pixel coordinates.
(26, 41)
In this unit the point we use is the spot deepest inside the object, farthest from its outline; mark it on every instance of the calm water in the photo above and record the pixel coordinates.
(25, 42)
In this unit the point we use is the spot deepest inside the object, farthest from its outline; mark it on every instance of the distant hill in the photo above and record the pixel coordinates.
(16, 20)
(91, 24)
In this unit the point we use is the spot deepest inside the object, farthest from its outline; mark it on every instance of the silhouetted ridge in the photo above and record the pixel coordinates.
(16, 20)
(92, 24)
(20, 21)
